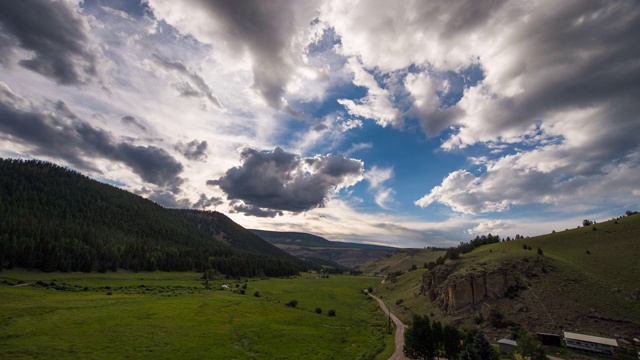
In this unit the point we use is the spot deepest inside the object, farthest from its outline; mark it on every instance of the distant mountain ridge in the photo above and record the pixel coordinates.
(304, 245)
(56, 219)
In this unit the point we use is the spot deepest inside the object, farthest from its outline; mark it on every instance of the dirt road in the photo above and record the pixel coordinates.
(397, 354)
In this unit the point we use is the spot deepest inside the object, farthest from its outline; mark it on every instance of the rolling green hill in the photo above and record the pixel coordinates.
(52, 218)
(584, 280)
(308, 246)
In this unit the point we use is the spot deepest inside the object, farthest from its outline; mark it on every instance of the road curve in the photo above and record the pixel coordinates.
(397, 354)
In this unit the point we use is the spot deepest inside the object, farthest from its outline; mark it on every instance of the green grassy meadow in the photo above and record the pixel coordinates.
(174, 315)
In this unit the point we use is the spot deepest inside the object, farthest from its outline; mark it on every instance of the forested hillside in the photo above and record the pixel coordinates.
(52, 218)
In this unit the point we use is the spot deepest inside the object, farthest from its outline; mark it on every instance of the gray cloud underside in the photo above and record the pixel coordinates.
(132, 121)
(193, 150)
(197, 87)
(54, 130)
(57, 37)
(279, 180)
(263, 30)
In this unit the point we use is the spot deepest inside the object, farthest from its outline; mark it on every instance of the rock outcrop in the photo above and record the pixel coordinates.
(454, 292)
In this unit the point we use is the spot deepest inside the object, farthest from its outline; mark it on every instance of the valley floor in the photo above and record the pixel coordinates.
(176, 315)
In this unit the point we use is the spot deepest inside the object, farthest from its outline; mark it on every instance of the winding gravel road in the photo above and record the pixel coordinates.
(397, 354)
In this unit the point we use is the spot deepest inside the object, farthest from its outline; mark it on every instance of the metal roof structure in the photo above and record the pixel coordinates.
(591, 339)
(507, 342)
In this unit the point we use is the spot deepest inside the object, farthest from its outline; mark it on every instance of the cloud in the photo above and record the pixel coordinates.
(193, 86)
(193, 150)
(377, 177)
(52, 129)
(205, 202)
(494, 227)
(278, 180)
(376, 105)
(269, 36)
(54, 34)
(132, 121)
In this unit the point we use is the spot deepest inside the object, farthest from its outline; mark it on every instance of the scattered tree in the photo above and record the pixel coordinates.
(528, 347)
(292, 303)
(478, 348)
(540, 252)
(419, 340)
(586, 222)
(318, 310)
(451, 341)
(331, 312)
(256, 294)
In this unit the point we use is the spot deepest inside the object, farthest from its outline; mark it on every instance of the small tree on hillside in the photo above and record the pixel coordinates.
(451, 341)
(586, 222)
(478, 348)
(528, 347)
(419, 340)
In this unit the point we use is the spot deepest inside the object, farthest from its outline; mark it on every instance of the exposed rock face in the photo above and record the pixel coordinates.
(454, 292)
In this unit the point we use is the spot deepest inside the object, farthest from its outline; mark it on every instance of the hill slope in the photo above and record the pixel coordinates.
(308, 246)
(52, 218)
(400, 260)
(584, 280)
(221, 228)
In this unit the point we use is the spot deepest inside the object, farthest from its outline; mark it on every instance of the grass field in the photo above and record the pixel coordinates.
(173, 315)
(400, 260)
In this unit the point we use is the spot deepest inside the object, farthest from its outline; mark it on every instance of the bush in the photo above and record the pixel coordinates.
(331, 312)
(540, 252)
(588, 252)
(244, 286)
(256, 294)
(109, 293)
(242, 291)
(370, 290)
(292, 303)
(318, 310)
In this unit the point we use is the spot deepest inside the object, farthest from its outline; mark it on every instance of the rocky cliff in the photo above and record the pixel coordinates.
(454, 290)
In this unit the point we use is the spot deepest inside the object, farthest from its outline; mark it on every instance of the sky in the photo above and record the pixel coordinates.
(406, 124)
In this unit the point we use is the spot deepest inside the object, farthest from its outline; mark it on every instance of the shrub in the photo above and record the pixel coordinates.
(588, 252)
(109, 293)
(244, 286)
(292, 303)
(242, 291)
(318, 310)
(540, 252)
(524, 246)
(331, 312)
(370, 290)
(256, 294)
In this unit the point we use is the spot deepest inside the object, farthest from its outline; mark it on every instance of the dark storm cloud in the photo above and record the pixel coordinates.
(132, 121)
(205, 202)
(56, 131)
(56, 36)
(193, 150)
(279, 180)
(250, 210)
(167, 199)
(197, 87)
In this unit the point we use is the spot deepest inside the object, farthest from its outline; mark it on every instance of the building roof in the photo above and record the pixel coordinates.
(589, 338)
(507, 342)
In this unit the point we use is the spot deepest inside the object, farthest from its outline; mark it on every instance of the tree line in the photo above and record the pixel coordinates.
(56, 219)
(427, 340)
